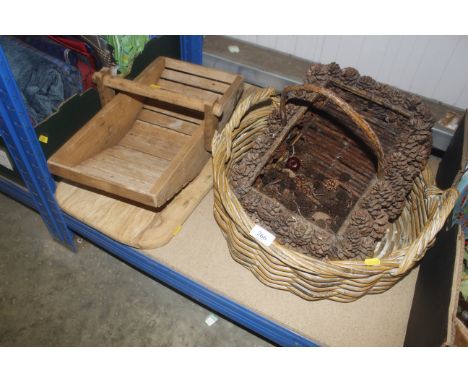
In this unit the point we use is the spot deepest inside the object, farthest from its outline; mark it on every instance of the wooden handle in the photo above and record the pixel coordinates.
(133, 87)
(370, 137)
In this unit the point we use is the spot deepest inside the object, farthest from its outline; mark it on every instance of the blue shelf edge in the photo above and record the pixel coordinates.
(220, 304)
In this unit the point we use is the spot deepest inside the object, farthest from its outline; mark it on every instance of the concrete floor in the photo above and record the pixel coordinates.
(50, 296)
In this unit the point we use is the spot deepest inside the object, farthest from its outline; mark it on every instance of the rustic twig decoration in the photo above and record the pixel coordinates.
(335, 164)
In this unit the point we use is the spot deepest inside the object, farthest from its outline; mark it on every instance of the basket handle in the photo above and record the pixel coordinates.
(369, 135)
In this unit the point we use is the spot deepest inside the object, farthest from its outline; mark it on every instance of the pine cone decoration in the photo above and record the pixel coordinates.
(362, 221)
(268, 209)
(331, 184)
(345, 249)
(317, 73)
(412, 102)
(350, 244)
(320, 244)
(400, 176)
(367, 247)
(421, 136)
(395, 210)
(414, 152)
(353, 236)
(241, 170)
(372, 206)
(334, 69)
(281, 226)
(393, 176)
(379, 227)
(383, 193)
(242, 187)
(424, 113)
(250, 201)
(261, 142)
(392, 94)
(405, 141)
(300, 232)
(366, 83)
(349, 76)
(380, 112)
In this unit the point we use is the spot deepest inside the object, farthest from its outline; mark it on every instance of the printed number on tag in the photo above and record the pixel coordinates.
(262, 235)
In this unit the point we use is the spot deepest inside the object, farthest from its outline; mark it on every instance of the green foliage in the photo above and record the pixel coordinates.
(126, 48)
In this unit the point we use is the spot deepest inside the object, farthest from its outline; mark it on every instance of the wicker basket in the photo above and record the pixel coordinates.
(403, 245)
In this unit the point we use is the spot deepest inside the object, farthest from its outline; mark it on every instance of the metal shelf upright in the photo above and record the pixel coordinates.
(21, 142)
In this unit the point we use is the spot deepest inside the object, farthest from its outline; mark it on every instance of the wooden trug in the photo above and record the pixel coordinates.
(152, 135)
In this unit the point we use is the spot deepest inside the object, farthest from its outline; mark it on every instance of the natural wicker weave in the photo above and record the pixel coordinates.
(403, 245)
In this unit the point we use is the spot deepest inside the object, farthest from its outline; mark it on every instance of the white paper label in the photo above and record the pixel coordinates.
(4, 160)
(211, 319)
(262, 235)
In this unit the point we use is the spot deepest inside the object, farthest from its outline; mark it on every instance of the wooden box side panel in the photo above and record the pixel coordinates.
(106, 186)
(183, 168)
(107, 128)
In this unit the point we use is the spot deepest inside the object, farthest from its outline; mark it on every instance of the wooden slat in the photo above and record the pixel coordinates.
(199, 70)
(182, 117)
(150, 166)
(131, 168)
(94, 179)
(154, 140)
(107, 173)
(161, 94)
(198, 82)
(176, 88)
(166, 121)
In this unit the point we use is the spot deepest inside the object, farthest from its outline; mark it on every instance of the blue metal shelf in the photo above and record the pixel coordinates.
(18, 134)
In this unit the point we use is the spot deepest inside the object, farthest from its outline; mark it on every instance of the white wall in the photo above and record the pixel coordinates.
(432, 66)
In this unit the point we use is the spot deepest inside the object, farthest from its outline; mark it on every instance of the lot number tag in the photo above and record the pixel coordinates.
(262, 235)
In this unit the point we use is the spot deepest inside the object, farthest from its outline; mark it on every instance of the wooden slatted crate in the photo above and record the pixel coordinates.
(152, 135)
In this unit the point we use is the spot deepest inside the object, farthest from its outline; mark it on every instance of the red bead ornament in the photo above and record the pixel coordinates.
(293, 163)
